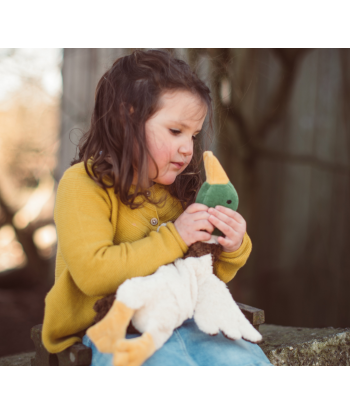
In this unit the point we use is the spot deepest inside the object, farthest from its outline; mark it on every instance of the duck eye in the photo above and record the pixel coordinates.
(229, 201)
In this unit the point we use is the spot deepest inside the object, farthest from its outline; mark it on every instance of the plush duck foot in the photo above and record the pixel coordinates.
(254, 342)
(134, 352)
(111, 328)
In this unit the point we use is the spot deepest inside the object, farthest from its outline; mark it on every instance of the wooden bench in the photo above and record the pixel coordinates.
(76, 355)
(80, 355)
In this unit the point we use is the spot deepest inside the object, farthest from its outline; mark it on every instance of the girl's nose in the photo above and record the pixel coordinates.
(186, 148)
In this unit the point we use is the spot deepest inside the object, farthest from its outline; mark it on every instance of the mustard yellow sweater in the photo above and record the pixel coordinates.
(101, 243)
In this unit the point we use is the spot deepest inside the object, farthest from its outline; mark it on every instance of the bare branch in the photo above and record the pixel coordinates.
(290, 60)
(220, 59)
(277, 105)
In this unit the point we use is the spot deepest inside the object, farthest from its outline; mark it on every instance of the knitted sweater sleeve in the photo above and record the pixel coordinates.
(230, 262)
(85, 239)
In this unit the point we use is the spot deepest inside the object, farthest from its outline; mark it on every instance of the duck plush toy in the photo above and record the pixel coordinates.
(161, 302)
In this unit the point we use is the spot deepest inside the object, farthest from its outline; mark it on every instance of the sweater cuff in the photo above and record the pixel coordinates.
(245, 246)
(177, 236)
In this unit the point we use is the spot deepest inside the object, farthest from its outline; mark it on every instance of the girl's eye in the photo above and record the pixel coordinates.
(176, 132)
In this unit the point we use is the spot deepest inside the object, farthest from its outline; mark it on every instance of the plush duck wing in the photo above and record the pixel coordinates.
(216, 310)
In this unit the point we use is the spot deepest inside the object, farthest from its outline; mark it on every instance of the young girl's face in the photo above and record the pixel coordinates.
(170, 133)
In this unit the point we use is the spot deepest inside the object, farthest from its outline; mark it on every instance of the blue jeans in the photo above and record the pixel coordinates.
(188, 346)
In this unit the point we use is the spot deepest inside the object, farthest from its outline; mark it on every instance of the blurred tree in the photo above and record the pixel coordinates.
(29, 119)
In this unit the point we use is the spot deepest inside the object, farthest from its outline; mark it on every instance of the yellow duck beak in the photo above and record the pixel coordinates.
(215, 174)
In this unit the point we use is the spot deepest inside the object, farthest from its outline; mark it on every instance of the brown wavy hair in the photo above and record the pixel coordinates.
(127, 95)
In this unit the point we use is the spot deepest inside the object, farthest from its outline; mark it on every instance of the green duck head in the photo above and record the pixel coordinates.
(217, 189)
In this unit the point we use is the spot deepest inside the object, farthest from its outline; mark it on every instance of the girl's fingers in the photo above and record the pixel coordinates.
(202, 236)
(224, 242)
(228, 245)
(198, 222)
(196, 207)
(234, 224)
(200, 215)
(221, 210)
(224, 227)
(204, 225)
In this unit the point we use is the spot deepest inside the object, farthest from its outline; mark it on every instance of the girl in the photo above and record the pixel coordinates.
(137, 169)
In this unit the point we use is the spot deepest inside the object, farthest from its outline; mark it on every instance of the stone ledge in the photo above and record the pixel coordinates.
(300, 346)
(284, 346)
(22, 359)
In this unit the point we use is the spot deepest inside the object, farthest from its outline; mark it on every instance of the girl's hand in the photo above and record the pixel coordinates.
(192, 224)
(231, 224)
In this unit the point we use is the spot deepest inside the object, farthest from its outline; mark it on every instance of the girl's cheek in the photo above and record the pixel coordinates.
(167, 156)
(162, 157)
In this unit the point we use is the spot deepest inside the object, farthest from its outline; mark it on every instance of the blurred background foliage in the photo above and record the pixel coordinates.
(281, 131)
(30, 93)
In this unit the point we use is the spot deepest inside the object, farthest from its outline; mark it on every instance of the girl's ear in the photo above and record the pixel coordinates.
(131, 110)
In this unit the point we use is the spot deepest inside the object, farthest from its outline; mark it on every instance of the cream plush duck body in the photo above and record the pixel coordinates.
(161, 302)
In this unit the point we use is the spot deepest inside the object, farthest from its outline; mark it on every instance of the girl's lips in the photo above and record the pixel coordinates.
(178, 165)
